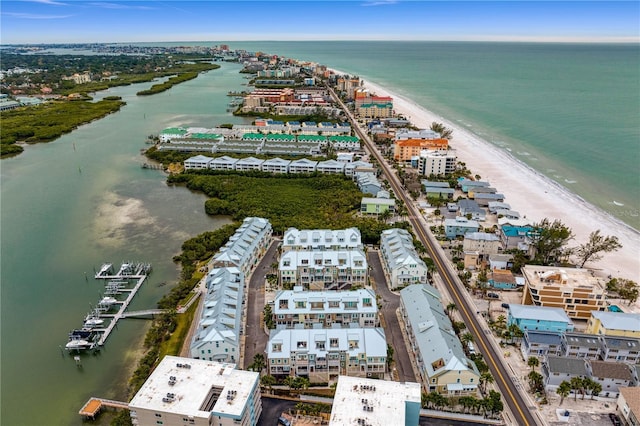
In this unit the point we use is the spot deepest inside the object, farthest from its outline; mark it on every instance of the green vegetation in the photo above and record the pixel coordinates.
(302, 201)
(161, 87)
(624, 288)
(49, 121)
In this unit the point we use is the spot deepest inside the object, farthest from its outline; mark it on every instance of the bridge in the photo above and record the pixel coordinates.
(147, 312)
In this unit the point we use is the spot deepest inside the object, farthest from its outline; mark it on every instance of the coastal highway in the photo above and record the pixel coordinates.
(514, 400)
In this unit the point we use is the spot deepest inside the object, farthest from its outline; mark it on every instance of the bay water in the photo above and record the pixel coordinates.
(67, 207)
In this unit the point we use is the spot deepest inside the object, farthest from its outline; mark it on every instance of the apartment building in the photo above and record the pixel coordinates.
(400, 259)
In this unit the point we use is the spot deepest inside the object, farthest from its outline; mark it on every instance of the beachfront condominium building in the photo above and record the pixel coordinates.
(183, 391)
(577, 291)
(438, 353)
(323, 269)
(619, 324)
(321, 239)
(400, 259)
(318, 309)
(244, 248)
(436, 163)
(383, 402)
(217, 337)
(322, 355)
(405, 149)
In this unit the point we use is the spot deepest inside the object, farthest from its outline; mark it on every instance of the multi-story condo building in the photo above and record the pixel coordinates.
(401, 262)
(183, 391)
(437, 163)
(621, 349)
(537, 318)
(324, 269)
(629, 405)
(321, 239)
(540, 344)
(577, 291)
(405, 149)
(383, 402)
(244, 248)
(580, 345)
(318, 309)
(439, 356)
(324, 354)
(217, 337)
(620, 324)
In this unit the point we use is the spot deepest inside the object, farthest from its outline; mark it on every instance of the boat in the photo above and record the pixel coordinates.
(80, 333)
(108, 301)
(93, 320)
(105, 270)
(79, 344)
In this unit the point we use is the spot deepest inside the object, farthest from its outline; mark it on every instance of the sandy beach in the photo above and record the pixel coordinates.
(529, 192)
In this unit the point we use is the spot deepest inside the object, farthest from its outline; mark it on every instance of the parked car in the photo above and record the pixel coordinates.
(615, 420)
(505, 305)
(284, 422)
(493, 296)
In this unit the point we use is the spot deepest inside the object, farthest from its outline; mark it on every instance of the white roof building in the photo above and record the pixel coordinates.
(244, 246)
(197, 392)
(351, 168)
(223, 163)
(401, 261)
(197, 162)
(217, 337)
(303, 165)
(276, 165)
(330, 166)
(249, 163)
(321, 239)
(383, 402)
(442, 363)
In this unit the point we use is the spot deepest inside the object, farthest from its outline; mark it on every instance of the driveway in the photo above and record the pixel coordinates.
(255, 338)
(390, 303)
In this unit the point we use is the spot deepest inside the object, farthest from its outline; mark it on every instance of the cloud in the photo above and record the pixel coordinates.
(105, 5)
(51, 2)
(35, 16)
(380, 3)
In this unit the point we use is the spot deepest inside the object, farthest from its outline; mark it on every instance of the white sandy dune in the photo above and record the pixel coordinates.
(516, 181)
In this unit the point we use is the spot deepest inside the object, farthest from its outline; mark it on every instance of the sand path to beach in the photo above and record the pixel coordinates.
(529, 192)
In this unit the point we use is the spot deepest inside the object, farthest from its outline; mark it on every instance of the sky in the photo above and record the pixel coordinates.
(75, 21)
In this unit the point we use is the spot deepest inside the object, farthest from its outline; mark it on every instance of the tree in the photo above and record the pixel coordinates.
(268, 380)
(501, 321)
(577, 385)
(486, 378)
(595, 246)
(595, 388)
(466, 338)
(563, 390)
(389, 355)
(628, 290)
(549, 239)
(258, 363)
(445, 132)
(467, 402)
(451, 307)
(536, 381)
(533, 362)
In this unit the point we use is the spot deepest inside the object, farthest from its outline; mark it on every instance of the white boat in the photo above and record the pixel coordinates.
(108, 301)
(78, 344)
(93, 321)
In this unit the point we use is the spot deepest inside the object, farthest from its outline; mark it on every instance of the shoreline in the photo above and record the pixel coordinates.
(529, 191)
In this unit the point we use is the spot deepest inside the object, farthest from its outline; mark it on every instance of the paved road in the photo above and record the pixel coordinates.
(392, 330)
(255, 337)
(513, 398)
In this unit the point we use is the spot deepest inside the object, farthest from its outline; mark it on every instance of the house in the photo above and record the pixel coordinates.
(358, 166)
(466, 207)
(377, 206)
(494, 206)
(246, 246)
(383, 402)
(483, 199)
(502, 279)
(538, 318)
(509, 214)
(438, 192)
(401, 262)
(515, 237)
(459, 227)
(438, 353)
(580, 345)
(500, 261)
(368, 183)
(324, 269)
(557, 369)
(621, 349)
(199, 162)
(217, 337)
(248, 164)
(609, 323)
(197, 392)
(482, 242)
(325, 309)
(321, 239)
(330, 166)
(322, 355)
(276, 165)
(303, 165)
(345, 157)
(578, 291)
(611, 375)
(629, 405)
(223, 163)
(344, 143)
(540, 344)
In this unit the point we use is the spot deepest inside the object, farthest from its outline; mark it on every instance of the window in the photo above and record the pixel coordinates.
(333, 342)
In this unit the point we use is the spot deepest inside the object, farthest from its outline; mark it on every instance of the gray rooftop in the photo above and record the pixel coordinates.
(547, 338)
(582, 339)
(572, 366)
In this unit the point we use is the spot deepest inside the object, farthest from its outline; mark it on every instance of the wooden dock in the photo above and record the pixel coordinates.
(92, 407)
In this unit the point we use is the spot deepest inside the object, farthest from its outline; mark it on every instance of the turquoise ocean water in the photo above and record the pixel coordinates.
(570, 111)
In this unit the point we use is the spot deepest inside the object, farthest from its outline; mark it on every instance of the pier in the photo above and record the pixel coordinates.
(92, 407)
(117, 283)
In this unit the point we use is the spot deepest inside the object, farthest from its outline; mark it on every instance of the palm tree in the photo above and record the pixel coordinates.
(563, 390)
(533, 362)
(535, 381)
(595, 388)
(467, 402)
(445, 132)
(486, 378)
(501, 321)
(451, 307)
(268, 380)
(577, 385)
(466, 338)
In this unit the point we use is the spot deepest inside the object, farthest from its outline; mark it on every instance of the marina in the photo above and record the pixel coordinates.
(93, 335)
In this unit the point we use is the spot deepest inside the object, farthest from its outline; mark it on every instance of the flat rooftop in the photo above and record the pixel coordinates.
(191, 382)
(385, 400)
(575, 278)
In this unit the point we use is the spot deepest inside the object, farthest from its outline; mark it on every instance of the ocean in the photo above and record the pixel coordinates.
(570, 111)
